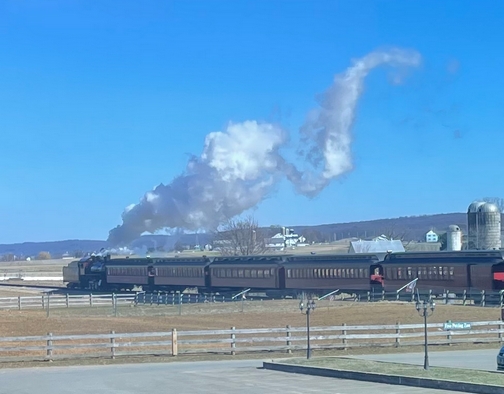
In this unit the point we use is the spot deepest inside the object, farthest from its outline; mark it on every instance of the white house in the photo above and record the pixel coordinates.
(286, 239)
(431, 236)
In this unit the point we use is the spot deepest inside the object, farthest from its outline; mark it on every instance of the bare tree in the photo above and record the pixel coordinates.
(495, 200)
(394, 233)
(43, 256)
(240, 237)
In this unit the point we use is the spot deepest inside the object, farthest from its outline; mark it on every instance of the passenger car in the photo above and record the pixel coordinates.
(500, 359)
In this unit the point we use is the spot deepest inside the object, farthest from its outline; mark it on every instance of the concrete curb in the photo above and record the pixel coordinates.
(386, 379)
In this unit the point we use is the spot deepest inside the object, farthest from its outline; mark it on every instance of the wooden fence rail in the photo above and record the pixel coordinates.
(233, 341)
(52, 301)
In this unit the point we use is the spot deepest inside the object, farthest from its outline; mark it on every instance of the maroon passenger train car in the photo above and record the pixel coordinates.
(243, 272)
(126, 273)
(330, 272)
(177, 274)
(439, 271)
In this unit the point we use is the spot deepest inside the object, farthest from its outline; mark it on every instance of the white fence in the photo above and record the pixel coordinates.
(50, 301)
(233, 341)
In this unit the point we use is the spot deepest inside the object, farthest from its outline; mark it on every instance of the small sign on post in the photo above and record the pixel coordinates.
(449, 326)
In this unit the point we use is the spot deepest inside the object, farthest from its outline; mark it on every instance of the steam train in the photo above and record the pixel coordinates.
(291, 274)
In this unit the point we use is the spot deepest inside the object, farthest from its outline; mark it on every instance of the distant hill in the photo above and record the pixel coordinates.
(406, 228)
(56, 248)
(410, 228)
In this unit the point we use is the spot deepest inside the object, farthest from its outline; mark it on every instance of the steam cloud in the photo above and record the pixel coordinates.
(240, 165)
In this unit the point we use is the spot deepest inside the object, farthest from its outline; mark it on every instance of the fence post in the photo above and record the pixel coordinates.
(67, 300)
(112, 344)
(114, 304)
(368, 296)
(397, 296)
(43, 301)
(446, 296)
(448, 338)
(500, 331)
(49, 346)
(464, 297)
(233, 342)
(383, 295)
(483, 296)
(344, 332)
(398, 332)
(174, 343)
(501, 294)
(48, 304)
(287, 328)
(90, 299)
(19, 303)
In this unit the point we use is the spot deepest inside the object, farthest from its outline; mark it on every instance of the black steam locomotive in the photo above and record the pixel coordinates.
(292, 274)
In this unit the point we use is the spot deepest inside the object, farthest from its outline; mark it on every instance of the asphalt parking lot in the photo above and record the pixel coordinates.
(244, 377)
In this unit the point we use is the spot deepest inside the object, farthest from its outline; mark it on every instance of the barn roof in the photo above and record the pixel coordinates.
(377, 246)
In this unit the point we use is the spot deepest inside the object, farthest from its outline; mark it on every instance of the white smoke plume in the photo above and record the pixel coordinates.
(240, 166)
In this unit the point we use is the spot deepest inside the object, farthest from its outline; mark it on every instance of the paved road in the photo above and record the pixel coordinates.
(227, 377)
(473, 359)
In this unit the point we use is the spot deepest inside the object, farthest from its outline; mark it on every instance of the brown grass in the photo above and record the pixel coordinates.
(257, 314)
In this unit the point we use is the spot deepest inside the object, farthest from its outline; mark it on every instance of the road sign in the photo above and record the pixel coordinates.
(448, 326)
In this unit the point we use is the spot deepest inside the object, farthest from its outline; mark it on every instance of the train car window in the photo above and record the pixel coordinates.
(260, 273)
(247, 273)
(289, 273)
(441, 272)
(266, 273)
(228, 273)
(451, 272)
(253, 273)
(445, 273)
(399, 273)
(410, 273)
(240, 273)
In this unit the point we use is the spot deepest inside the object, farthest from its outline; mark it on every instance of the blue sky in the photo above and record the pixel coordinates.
(100, 102)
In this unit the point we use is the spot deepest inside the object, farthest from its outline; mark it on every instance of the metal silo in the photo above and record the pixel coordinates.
(454, 238)
(489, 224)
(473, 230)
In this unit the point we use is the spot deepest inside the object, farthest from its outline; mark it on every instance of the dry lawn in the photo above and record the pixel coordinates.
(257, 314)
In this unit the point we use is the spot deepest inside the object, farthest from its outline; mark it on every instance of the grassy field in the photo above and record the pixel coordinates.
(453, 374)
(257, 314)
